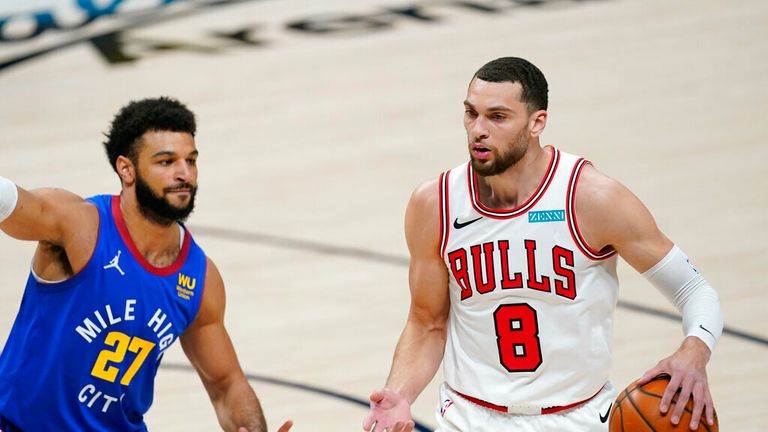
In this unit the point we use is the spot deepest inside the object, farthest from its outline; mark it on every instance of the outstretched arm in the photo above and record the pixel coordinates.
(41, 214)
(58, 219)
(209, 348)
(422, 343)
(612, 216)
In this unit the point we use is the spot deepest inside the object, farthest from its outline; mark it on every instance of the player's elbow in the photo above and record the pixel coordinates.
(428, 321)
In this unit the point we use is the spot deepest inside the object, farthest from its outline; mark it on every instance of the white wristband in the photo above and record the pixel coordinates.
(8, 197)
(691, 294)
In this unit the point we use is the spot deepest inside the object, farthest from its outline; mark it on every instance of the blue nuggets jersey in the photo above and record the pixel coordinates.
(83, 353)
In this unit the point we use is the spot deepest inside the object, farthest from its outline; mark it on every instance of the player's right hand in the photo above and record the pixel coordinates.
(390, 412)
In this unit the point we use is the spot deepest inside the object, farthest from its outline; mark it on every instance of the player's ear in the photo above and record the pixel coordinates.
(126, 170)
(537, 122)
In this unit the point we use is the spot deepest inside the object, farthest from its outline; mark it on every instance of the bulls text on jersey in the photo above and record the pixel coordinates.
(484, 257)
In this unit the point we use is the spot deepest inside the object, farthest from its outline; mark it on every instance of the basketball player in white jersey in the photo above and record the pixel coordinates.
(513, 280)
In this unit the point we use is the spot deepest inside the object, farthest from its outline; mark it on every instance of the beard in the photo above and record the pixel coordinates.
(157, 208)
(501, 161)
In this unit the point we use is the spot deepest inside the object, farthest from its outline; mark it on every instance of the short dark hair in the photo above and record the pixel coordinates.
(138, 117)
(515, 69)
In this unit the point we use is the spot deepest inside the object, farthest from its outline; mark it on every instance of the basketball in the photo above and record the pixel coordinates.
(637, 409)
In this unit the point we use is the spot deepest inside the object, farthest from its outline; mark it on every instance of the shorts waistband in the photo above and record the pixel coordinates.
(524, 409)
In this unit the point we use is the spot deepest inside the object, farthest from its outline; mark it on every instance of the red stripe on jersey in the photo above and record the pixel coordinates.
(573, 224)
(117, 214)
(445, 212)
(548, 410)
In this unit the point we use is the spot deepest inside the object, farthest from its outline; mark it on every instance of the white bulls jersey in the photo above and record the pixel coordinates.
(531, 316)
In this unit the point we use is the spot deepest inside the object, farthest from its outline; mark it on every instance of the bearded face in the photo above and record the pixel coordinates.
(158, 208)
(500, 160)
(498, 125)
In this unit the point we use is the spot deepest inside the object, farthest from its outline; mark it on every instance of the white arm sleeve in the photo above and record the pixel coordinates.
(8, 197)
(691, 294)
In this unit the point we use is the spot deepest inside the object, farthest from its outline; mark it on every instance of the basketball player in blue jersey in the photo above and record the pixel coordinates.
(115, 280)
(513, 281)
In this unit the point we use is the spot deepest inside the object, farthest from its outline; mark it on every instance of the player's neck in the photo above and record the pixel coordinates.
(158, 244)
(515, 185)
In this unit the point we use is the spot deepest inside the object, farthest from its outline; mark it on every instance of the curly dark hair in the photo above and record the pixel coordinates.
(138, 117)
(515, 69)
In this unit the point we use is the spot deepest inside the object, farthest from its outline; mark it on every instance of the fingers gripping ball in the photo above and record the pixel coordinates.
(637, 409)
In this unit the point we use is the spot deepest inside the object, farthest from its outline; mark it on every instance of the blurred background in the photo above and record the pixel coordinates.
(318, 119)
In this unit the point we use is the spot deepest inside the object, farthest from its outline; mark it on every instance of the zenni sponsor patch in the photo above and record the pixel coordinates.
(546, 216)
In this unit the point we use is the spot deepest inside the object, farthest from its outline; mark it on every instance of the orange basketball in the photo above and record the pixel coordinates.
(637, 409)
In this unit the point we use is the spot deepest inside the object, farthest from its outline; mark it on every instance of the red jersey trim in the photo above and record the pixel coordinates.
(117, 214)
(521, 209)
(573, 224)
(546, 410)
(445, 212)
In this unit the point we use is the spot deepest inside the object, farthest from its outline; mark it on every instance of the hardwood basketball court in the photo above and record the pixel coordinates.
(318, 119)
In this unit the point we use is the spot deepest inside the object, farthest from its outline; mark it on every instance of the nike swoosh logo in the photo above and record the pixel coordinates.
(604, 419)
(460, 225)
(702, 327)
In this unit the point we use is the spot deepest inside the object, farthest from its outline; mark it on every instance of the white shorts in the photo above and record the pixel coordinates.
(457, 414)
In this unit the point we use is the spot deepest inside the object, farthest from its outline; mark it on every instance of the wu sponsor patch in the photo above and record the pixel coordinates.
(546, 216)
(186, 287)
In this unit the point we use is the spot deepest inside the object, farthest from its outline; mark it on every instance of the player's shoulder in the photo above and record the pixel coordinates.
(60, 198)
(213, 301)
(427, 191)
(598, 191)
(425, 199)
(422, 219)
(609, 207)
(212, 272)
(69, 208)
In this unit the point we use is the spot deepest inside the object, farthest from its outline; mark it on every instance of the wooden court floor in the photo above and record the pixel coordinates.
(318, 119)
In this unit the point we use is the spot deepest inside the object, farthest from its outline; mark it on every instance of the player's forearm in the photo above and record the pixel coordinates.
(686, 288)
(417, 358)
(25, 215)
(237, 406)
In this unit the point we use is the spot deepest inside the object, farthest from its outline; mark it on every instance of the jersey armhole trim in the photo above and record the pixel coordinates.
(445, 212)
(573, 225)
(199, 305)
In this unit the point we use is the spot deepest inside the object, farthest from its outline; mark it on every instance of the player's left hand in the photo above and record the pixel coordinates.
(688, 373)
